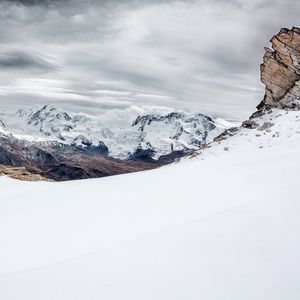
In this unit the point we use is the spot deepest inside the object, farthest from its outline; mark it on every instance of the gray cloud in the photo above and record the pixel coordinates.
(199, 55)
(34, 2)
(23, 61)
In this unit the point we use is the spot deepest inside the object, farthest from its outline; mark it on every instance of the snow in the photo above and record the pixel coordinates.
(224, 225)
(48, 123)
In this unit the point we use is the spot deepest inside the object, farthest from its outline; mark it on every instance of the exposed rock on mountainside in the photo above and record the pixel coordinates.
(59, 162)
(2, 125)
(20, 173)
(280, 71)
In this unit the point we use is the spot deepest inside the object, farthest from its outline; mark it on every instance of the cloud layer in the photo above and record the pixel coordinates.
(197, 55)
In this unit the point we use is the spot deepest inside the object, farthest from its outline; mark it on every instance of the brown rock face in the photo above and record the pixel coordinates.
(280, 71)
(21, 174)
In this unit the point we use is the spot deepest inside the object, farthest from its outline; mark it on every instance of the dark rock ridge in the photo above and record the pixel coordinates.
(2, 124)
(141, 154)
(83, 142)
(60, 162)
(280, 70)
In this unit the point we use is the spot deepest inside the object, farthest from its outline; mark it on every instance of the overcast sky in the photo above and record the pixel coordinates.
(200, 55)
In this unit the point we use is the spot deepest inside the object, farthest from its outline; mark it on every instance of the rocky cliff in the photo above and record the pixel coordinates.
(280, 70)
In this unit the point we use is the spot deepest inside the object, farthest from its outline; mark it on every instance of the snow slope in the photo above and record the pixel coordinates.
(224, 225)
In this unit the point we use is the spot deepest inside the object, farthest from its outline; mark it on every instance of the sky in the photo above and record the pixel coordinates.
(84, 55)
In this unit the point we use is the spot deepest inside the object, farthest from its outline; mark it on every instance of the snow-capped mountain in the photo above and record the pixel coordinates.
(228, 218)
(221, 224)
(150, 135)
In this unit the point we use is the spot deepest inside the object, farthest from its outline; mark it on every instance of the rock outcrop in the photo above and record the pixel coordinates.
(280, 70)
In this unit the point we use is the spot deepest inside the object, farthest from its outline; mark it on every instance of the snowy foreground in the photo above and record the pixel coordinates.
(224, 226)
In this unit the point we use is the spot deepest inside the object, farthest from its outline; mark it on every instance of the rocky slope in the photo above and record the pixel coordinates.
(280, 71)
(59, 161)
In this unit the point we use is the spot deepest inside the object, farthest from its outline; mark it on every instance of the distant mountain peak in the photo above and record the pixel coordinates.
(153, 133)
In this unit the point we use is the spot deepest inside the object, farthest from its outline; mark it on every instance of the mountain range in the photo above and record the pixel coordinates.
(61, 145)
(223, 223)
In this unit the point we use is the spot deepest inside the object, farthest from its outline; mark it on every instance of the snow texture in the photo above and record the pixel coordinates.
(223, 225)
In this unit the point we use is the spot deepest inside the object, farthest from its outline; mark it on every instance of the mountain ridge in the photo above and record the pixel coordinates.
(46, 140)
(187, 134)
